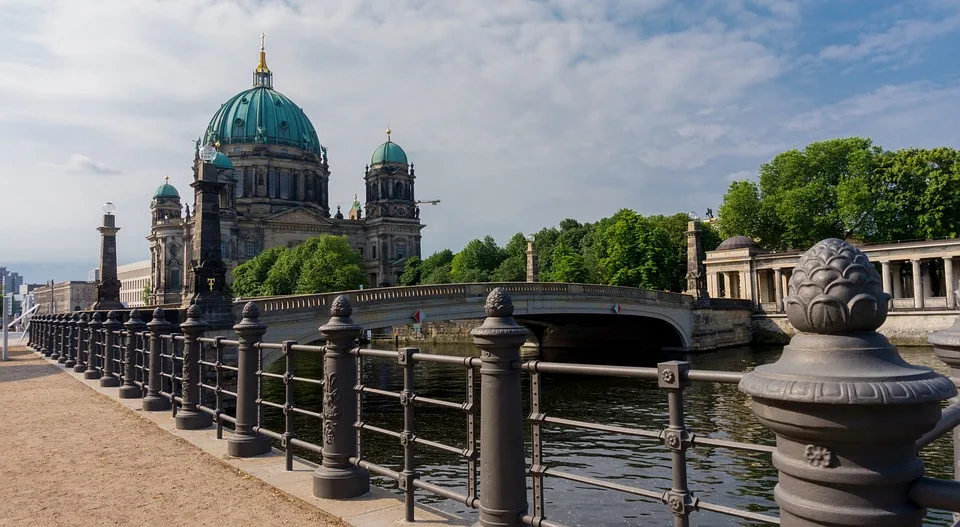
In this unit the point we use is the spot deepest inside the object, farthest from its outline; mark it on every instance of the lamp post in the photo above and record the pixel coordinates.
(108, 288)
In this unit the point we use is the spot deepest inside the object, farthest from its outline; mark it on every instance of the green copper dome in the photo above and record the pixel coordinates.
(388, 152)
(222, 162)
(262, 115)
(166, 191)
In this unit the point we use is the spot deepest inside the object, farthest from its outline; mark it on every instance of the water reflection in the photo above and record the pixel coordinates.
(739, 479)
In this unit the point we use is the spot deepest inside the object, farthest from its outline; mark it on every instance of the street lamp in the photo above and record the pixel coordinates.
(208, 153)
(109, 208)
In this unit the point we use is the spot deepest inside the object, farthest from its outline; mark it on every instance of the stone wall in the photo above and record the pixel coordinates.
(444, 331)
(902, 328)
(718, 327)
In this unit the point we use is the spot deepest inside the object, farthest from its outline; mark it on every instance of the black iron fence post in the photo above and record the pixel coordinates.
(190, 417)
(95, 338)
(946, 345)
(134, 326)
(245, 442)
(83, 344)
(846, 408)
(409, 434)
(42, 335)
(154, 401)
(676, 437)
(58, 348)
(71, 326)
(337, 477)
(110, 327)
(503, 489)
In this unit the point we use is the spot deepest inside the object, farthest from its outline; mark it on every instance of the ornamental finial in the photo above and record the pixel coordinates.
(388, 133)
(835, 289)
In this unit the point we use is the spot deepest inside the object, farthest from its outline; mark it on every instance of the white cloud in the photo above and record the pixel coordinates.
(517, 113)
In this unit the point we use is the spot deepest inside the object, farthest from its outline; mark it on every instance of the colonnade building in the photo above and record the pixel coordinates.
(917, 275)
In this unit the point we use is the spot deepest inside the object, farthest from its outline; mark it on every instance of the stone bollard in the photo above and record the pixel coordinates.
(58, 352)
(153, 401)
(337, 477)
(110, 327)
(72, 340)
(190, 417)
(83, 344)
(846, 409)
(245, 442)
(503, 484)
(94, 340)
(134, 327)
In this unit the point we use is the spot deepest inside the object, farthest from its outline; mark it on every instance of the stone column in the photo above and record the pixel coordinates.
(134, 326)
(110, 327)
(337, 478)
(532, 261)
(917, 284)
(108, 286)
(154, 401)
(207, 284)
(502, 465)
(94, 330)
(885, 279)
(190, 417)
(245, 441)
(778, 284)
(897, 280)
(846, 409)
(83, 344)
(948, 280)
(696, 272)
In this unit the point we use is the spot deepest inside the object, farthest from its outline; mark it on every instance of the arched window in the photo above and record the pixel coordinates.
(239, 184)
(174, 278)
(285, 185)
(250, 247)
(401, 250)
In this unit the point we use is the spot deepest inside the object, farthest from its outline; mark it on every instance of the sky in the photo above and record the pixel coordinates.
(517, 113)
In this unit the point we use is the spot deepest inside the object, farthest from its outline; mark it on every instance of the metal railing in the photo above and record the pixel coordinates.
(229, 379)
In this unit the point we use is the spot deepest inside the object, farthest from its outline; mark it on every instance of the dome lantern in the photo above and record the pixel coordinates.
(262, 76)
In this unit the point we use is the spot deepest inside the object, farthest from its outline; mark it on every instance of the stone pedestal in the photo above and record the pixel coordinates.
(108, 287)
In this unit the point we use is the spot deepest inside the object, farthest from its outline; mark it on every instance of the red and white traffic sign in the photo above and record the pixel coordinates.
(617, 308)
(419, 316)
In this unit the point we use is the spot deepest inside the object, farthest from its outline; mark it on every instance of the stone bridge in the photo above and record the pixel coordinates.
(655, 319)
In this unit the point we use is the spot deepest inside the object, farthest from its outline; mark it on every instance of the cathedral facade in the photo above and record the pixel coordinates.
(274, 176)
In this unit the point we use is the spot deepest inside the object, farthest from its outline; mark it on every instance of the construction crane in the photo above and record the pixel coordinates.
(428, 201)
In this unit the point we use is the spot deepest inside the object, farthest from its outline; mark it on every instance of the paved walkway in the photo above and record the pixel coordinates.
(72, 456)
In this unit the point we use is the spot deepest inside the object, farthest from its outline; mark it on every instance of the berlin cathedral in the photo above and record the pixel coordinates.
(275, 174)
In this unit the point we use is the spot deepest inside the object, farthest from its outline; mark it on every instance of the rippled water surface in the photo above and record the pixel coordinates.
(717, 475)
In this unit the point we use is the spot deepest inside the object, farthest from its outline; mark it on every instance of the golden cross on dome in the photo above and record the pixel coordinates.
(166, 179)
(388, 133)
(262, 35)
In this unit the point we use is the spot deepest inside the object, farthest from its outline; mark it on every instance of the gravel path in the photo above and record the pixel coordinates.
(70, 456)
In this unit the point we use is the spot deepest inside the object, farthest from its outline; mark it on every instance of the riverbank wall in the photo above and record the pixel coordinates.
(902, 328)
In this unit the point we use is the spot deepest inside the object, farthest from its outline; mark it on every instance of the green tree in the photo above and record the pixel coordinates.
(567, 265)
(329, 264)
(634, 251)
(411, 271)
(145, 294)
(436, 268)
(477, 261)
(249, 278)
(513, 268)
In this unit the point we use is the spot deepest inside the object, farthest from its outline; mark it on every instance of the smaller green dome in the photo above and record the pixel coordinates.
(388, 152)
(166, 191)
(222, 161)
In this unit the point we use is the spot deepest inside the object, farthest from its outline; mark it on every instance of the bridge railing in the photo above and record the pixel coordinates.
(849, 414)
(203, 380)
(480, 290)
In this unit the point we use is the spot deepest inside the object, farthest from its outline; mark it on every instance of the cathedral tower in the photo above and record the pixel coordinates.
(166, 245)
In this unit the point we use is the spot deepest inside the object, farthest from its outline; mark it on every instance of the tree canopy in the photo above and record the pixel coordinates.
(319, 265)
(846, 188)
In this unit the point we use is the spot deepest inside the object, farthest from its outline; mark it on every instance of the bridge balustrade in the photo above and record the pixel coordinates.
(850, 416)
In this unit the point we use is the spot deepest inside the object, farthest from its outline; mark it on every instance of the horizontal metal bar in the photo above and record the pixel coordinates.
(268, 346)
(438, 402)
(307, 348)
(603, 484)
(366, 389)
(539, 522)
(590, 369)
(316, 449)
(725, 377)
(709, 441)
(636, 432)
(730, 511)
(376, 469)
(272, 405)
(307, 379)
(271, 375)
(438, 446)
(949, 419)
(269, 433)
(377, 429)
(466, 362)
(377, 353)
(932, 493)
(469, 501)
(306, 412)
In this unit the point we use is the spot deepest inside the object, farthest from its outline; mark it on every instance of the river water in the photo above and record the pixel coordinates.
(733, 478)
